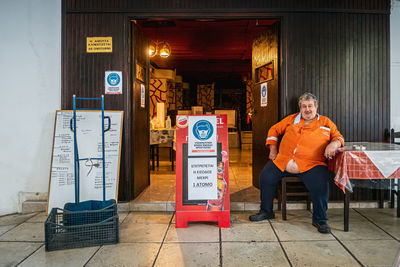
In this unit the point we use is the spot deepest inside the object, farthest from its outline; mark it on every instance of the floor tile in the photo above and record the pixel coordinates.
(68, 257)
(148, 217)
(38, 218)
(338, 215)
(253, 254)
(298, 230)
(195, 232)
(358, 231)
(25, 232)
(318, 253)
(126, 254)
(14, 252)
(5, 228)
(248, 232)
(385, 218)
(374, 253)
(141, 232)
(188, 254)
(15, 218)
(122, 216)
(302, 215)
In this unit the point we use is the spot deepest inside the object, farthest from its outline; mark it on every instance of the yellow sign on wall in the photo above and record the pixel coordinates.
(98, 44)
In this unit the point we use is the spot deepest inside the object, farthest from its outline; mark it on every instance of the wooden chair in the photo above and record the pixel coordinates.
(291, 186)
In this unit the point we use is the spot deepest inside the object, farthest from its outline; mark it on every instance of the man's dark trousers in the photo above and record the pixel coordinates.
(316, 180)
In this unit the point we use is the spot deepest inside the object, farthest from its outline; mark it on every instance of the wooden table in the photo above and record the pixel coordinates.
(162, 138)
(375, 162)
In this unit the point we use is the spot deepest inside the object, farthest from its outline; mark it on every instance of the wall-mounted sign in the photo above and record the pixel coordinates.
(142, 95)
(264, 94)
(113, 82)
(139, 73)
(98, 44)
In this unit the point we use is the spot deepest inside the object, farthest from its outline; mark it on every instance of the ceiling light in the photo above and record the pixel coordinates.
(162, 49)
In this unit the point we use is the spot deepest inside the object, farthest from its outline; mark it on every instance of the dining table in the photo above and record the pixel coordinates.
(162, 138)
(367, 164)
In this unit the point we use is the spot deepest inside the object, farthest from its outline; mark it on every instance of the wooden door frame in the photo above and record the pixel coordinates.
(282, 92)
(282, 49)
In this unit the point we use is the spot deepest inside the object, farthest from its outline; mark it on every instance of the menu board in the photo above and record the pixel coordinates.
(89, 141)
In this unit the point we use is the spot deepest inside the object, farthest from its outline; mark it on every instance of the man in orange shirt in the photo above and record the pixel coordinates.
(309, 139)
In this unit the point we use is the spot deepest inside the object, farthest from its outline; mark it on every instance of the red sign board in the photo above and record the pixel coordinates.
(202, 163)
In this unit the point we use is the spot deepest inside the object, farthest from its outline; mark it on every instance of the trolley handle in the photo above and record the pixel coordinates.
(109, 123)
(70, 124)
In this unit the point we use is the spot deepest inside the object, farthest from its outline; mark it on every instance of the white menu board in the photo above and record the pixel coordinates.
(89, 140)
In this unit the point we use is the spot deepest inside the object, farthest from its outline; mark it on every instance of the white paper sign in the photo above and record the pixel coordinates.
(113, 82)
(142, 95)
(202, 136)
(202, 178)
(89, 139)
(264, 94)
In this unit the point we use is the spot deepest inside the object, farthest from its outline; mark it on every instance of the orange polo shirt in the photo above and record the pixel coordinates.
(305, 144)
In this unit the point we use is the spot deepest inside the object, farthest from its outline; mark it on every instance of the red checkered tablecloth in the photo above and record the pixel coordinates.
(355, 165)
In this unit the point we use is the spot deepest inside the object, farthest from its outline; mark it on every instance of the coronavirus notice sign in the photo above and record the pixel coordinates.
(202, 178)
(202, 136)
(202, 163)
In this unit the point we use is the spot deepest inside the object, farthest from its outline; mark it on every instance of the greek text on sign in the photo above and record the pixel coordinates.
(202, 136)
(202, 178)
(113, 82)
(98, 44)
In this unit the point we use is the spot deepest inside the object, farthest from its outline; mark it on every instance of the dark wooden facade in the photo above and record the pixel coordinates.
(338, 50)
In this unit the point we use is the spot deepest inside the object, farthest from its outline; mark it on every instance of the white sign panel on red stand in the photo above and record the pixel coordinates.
(202, 136)
(202, 178)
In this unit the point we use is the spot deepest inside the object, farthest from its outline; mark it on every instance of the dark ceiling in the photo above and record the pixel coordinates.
(206, 50)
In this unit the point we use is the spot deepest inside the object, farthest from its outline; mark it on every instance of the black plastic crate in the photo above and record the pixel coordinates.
(75, 229)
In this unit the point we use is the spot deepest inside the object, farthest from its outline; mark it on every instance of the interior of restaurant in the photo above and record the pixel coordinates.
(200, 66)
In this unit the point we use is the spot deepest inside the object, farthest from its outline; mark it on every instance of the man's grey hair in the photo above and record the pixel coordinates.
(307, 97)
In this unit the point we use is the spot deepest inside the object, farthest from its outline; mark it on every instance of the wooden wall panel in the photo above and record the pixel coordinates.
(83, 73)
(155, 6)
(344, 60)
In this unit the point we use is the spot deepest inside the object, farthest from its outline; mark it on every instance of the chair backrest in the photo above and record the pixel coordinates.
(394, 137)
(231, 116)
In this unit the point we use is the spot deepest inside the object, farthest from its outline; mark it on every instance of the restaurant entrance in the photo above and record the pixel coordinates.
(213, 66)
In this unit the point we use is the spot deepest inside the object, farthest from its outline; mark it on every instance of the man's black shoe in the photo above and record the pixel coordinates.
(322, 227)
(262, 215)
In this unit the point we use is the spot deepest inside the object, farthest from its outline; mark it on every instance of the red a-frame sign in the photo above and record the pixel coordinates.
(202, 163)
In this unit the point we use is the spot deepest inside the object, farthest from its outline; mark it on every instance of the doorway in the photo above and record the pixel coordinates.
(211, 69)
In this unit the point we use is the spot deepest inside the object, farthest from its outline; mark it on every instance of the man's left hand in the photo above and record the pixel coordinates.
(330, 150)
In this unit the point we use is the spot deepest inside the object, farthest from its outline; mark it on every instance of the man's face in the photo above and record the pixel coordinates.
(308, 109)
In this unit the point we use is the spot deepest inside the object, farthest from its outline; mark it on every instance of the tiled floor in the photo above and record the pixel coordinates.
(162, 180)
(151, 239)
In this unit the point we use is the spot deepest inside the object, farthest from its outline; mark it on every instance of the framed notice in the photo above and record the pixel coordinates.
(99, 44)
(89, 140)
